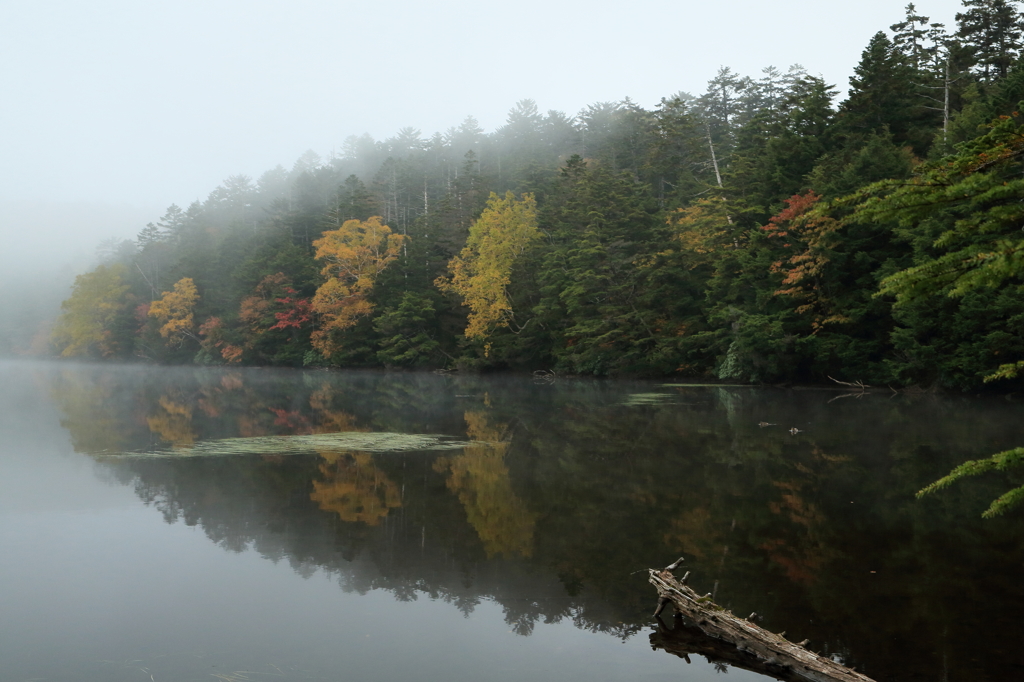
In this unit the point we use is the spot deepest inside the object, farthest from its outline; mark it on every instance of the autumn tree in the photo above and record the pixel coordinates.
(811, 236)
(215, 342)
(175, 311)
(482, 273)
(88, 324)
(353, 256)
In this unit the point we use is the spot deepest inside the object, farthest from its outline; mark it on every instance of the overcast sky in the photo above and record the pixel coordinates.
(114, 109)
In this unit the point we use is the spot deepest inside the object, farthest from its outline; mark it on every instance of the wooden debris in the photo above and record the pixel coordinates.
(716, 633)
(857, 384)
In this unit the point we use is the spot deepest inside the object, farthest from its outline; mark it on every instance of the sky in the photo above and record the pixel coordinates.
(111, 110)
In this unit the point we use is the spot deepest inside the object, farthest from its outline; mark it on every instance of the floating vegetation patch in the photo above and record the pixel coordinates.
(706, 385)
(296, 445)
(636, 399)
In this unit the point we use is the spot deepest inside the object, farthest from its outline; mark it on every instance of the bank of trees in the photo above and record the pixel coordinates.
(761, 231)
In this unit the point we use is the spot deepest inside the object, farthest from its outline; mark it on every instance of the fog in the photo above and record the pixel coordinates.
(45, 244)
(114, 110)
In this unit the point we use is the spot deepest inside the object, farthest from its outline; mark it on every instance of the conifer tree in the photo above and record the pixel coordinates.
(883, 95)
(992, 30)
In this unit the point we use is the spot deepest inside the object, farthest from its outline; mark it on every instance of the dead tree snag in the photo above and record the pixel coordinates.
(716, 633)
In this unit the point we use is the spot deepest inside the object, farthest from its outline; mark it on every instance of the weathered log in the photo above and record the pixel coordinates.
(736, 641)
(684, 640)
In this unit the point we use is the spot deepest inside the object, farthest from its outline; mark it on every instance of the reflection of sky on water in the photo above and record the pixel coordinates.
(107, 595)
(95, 586)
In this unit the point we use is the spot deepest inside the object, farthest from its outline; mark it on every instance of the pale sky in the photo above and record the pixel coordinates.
(111, 110)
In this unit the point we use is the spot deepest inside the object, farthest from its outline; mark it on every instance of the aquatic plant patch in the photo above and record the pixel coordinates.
(303, 444)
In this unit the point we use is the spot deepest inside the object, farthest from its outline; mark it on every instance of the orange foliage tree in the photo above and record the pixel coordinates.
(807, 229)
(175, 311)
(353, 256)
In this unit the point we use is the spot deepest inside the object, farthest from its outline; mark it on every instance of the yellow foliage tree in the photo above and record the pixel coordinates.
(481, 274)
(175, 309)
(703, 230)
(84, 328)
(353, 256)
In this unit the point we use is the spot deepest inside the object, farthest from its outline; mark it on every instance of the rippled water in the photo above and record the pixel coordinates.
(205, 524)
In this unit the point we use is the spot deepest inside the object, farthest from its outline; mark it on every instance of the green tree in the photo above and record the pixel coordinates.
(885, 96)
(964, 214)
(408, 332)
(597, 308)
(991, 29)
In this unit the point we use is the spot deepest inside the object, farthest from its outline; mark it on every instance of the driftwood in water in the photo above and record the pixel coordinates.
(733, 640)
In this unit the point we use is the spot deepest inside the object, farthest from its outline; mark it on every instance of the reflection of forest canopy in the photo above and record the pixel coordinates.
(579, 491)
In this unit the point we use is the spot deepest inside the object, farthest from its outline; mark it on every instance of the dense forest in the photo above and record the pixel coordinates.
(759, 232)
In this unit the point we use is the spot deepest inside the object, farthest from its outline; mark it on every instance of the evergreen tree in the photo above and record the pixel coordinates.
(992, 30)
(883, 95)
(593, 303)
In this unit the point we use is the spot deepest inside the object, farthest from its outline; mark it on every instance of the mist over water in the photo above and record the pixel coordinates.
(46, 244)
(515, 554)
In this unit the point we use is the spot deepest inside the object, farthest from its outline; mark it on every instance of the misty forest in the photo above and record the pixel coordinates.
(763, 231)
(440, 404)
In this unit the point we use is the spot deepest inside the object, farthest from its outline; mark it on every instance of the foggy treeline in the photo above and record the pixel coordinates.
(760, 231)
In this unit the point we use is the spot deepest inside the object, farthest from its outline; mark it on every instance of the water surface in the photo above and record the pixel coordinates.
(203, 524)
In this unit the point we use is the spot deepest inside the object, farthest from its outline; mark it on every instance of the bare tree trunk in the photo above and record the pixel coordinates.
(719, 635)
(945, 105)
(714, 159)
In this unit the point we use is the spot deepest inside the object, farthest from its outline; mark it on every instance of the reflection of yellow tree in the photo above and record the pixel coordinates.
(481, 480)
(328, 420)
(173, 422)
(93, 418)
(354, 488)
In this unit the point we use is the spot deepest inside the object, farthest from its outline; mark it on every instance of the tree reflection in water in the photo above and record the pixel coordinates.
(572, 488)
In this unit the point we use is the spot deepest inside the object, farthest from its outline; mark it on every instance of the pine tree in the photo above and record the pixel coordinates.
(992, 29)
(883, 95)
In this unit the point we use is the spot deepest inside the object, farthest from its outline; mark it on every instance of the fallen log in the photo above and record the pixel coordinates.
(733, 640)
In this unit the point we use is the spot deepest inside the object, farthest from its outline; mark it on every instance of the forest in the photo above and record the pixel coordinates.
(760, 232)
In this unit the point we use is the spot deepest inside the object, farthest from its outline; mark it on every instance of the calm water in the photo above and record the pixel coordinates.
(191, 524)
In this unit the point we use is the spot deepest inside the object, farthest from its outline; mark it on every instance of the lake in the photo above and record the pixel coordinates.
(172, 524)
